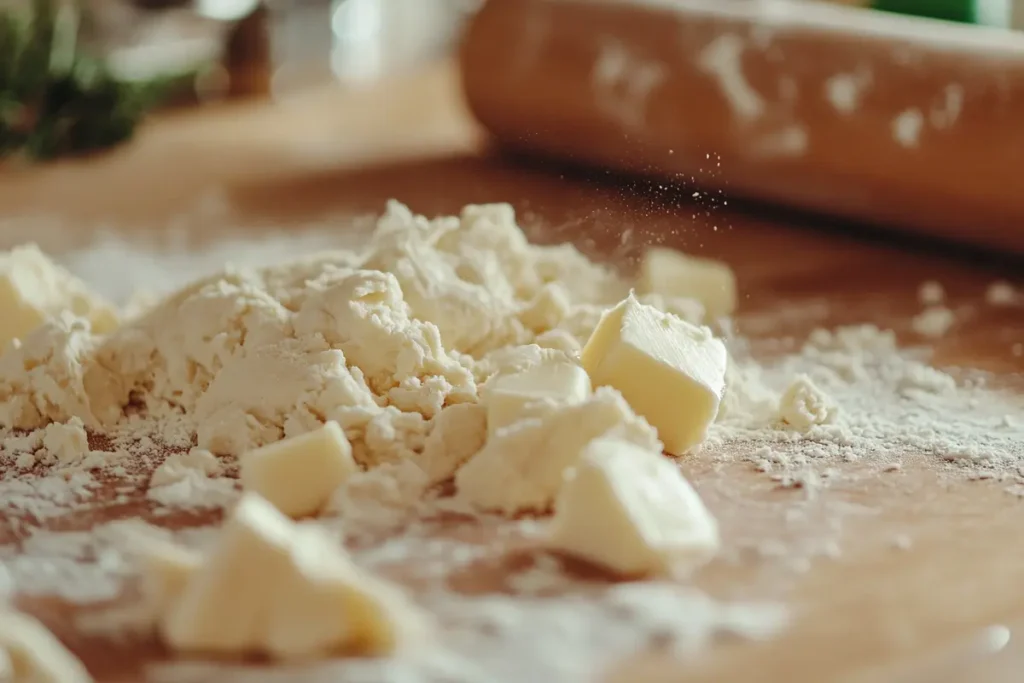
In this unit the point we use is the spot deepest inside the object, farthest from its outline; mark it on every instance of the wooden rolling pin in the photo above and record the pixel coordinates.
(894, 120)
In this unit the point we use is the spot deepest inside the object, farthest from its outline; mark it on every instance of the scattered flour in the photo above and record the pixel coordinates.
(931, 293)
(478, 632)
(1002, 294)
(891, 404)
(933, 322)
(393, 341)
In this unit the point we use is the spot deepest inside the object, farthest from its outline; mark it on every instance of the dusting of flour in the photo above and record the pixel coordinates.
(394, 340)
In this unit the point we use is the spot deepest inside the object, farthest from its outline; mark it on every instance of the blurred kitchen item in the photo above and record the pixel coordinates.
(317, 41)
(140, 42)
(984, 12)
(56, 96)
(894, 120)
(372, 37)
(247, 57)
(258, 47)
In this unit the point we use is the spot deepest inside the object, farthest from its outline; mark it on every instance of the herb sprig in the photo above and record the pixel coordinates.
(55, 99)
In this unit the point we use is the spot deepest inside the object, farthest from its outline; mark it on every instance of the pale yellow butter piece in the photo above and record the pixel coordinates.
(33, 289)
(298, 475)
(166, 570)
(508, 396)
(522, 466)
(671, 273)
(29, 653)
(669, 371)
(327, 606)
(286, 590)
(631, 511)
(225, 604)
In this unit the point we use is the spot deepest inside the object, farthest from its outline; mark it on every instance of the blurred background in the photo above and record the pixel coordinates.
(269, 47)
(889, 112)
(243, 48)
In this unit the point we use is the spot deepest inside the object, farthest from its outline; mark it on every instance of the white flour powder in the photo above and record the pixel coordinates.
(252, 354)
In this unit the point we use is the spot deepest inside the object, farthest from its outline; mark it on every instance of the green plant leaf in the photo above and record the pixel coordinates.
(56, 100)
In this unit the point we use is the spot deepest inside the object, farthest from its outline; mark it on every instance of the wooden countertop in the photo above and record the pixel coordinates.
(410, 139)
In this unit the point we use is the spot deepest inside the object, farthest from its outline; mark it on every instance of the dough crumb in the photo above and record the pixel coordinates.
(933, 322)
(1001, 293)
(803, 405)
(931, 293)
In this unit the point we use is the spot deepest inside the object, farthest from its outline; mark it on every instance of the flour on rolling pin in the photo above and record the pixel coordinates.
(844, 90)
(723, 59)
(946, 113)
(906, 127)
(623, 84)
(777, 136)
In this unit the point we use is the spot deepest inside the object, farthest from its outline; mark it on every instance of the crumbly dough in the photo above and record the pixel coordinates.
(34, 289)
(803, 405)
(384, 342)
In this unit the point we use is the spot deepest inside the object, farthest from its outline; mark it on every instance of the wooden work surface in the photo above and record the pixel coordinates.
(410, 139)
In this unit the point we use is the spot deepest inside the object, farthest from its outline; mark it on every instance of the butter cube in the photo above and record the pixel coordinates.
(29, 652)
(328, 606)
(33, 289)
(631, 511)
(286, 590)
(670, 371)
(508, 396)
(310, 612)
(166, 570)
(673, 274)
(298, 475)
(522, 467)
(225, 605)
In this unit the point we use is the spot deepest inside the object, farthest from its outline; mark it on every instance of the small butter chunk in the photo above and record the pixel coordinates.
(224, 607)
(327, 606)
(508, 396)
(670, 371)
(298, 475)
(166, 570)
(33, 289)
(631, 510)
(274, 587)
(673, 274)
(522, 466)
(803, 405)
(31, 654)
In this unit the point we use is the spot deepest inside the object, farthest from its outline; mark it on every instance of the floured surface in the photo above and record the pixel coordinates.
(814, 533)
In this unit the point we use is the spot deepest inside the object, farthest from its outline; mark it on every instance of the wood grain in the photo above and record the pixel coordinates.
(872, 606)
(895, 120)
